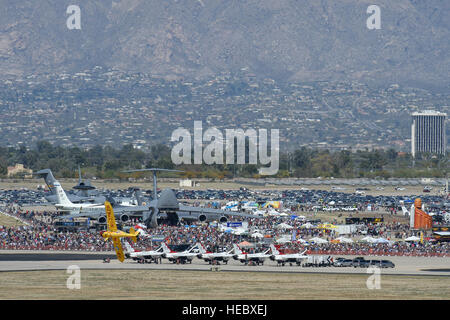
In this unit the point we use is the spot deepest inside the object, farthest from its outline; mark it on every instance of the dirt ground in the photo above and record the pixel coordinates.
(9, 222)
(200, 285)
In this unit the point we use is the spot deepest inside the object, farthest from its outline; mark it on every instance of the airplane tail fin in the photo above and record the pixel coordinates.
(237, 250)
(61, 194)
(193, 247)
(128, 247)
(405, 211)
(49, 179)
(274, 249)
(165, 247)
(201, 247)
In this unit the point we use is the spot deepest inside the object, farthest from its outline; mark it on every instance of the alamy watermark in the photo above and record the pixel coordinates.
(374, 281)
(74, 281)
(213, 153)
(374, 21)
(74, 20)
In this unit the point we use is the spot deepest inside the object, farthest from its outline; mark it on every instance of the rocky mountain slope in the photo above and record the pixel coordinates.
(283, 39)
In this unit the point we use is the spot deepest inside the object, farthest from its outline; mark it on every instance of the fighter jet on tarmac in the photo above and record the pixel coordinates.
(245, 257)
(287, 258)
(151, 255)
(180, 257)
(212, 257)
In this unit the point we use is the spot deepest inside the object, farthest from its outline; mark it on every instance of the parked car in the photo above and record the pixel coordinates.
(387, 264)
(347, 263)
(338, 262)
(358, 261)
(376, 263)
(363, 264)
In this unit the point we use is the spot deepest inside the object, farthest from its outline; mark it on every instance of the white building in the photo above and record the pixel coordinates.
(428, 132)
(188, 183)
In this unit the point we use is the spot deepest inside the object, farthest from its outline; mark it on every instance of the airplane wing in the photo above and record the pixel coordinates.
(95, 215)
(111, 221)
(118, 248)
(188, 212)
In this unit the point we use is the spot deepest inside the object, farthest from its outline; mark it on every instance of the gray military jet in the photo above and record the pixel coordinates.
(167, 209)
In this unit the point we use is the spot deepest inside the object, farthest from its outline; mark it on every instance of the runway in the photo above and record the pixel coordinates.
(38, 261)
(53, 256)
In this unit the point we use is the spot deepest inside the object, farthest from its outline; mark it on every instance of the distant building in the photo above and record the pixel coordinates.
(188, 183)
(19, 169)
(428, 132)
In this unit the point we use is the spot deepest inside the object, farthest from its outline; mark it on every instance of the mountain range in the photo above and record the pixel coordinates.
(285, 40)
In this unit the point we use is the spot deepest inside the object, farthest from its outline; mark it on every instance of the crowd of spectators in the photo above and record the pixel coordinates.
(41, 234)
(439, 249)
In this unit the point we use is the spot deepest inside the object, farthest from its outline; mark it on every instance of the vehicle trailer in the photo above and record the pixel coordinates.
(318, 261)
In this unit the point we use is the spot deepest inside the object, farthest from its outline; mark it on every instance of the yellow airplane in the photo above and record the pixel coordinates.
(114, 234)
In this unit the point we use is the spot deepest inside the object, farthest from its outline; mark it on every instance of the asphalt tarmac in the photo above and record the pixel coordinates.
(34, 261)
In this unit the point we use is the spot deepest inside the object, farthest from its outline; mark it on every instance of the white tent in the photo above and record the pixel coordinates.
(284, 226)
(381, 240)
(318, 240)
(368, 239)
(239, 232)
(344, 240)
(412, 238)
(257, 235)
(307, 225)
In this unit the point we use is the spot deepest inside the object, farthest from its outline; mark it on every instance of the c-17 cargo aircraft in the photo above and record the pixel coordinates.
(114, 234)
(167, 209)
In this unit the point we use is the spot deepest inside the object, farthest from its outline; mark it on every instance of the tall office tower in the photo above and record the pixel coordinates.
(428, 132)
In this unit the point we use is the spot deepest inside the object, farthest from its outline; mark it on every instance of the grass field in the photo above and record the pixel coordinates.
(198, 285)
(9, 222)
